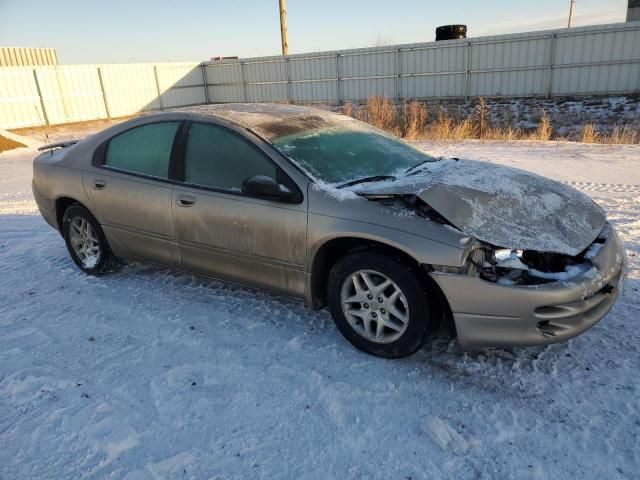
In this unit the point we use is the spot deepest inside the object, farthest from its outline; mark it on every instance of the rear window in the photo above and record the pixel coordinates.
(145, 150)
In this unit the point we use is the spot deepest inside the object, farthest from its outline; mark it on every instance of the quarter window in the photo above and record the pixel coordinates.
(215, 157)
(145, 149)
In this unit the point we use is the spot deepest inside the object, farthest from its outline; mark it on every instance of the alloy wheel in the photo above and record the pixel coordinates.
(84, 242)
(374, 305)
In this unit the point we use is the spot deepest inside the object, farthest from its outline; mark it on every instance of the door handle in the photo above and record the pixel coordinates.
(99, 184)
(186, 200)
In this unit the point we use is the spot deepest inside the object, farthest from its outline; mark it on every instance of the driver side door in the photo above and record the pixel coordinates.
(225, 234)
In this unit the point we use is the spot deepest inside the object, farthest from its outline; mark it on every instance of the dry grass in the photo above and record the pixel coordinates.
(382, 113)
(481, 118)
(544, 130)
(415, 116)
(622, 135)
(8, 144)
(347, 109)
(414, 121)
(590, 133)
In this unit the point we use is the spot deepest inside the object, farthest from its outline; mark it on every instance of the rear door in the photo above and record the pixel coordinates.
(130, 192)
(226, 234)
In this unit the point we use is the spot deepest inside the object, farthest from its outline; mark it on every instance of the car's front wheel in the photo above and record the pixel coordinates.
(379, 305)
(85, 240)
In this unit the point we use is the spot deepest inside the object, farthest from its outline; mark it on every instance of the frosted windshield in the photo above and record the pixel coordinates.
(349, 150)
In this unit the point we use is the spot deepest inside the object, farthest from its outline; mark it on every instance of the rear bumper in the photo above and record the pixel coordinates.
(46, 207)
(490, 315)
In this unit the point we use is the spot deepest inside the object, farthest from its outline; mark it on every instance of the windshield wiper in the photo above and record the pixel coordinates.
(419, 164)
(374, 178)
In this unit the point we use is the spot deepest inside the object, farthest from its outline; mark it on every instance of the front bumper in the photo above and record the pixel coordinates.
(487, 314)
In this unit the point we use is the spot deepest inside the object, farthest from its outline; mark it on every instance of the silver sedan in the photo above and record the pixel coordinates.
(323, 207)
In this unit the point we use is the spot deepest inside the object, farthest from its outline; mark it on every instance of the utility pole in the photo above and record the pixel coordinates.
(571, 4)
(283, 27)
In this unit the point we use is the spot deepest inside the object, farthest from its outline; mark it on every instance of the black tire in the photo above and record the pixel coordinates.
(419, 327)
(104, 257)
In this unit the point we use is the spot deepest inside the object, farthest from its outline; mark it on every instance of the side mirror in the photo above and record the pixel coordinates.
(262, 186)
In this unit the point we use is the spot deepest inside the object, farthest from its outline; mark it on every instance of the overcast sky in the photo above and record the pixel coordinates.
(86, 31)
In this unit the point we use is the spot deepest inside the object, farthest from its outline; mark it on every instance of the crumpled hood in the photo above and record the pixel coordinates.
(503, 206)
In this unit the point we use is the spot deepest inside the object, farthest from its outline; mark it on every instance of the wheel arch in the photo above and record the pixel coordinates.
(61, 205)
(332, 250)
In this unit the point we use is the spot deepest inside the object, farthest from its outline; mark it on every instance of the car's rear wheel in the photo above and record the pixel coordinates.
(85, 240)
(379, 305)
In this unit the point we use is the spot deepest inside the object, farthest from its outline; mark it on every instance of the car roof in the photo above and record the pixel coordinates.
(251, 115)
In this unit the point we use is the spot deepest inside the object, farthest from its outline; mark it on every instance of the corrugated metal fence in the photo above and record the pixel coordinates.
(580, 61)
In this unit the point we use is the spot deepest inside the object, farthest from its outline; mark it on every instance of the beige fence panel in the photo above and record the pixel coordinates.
(25, 56)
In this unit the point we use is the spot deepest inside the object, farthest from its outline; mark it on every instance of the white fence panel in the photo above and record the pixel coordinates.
(267, 71)
(361, 89)
(433, 86)
(71, 93)
(224, 73)
(266, 92)
(180, 85)
(130, 88)
(318, 91)
(313, 68)
(227, 93)
(433, 59)
(19, 98)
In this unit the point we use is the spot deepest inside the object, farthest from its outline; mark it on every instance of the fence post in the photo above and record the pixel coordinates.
(44, 110)
(398, 75)
(467, 75)
(203, 69)
(552, 57)
(104, 93)
(338, 79)
(155, 74)
(244, 82)
(289, 86)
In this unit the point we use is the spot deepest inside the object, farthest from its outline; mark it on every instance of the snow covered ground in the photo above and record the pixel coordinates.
(153, 374)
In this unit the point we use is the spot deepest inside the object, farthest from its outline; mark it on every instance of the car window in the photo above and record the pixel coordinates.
(145, 149)
(218, 158)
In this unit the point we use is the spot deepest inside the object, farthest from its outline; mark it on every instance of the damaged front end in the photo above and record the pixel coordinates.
(540, 264)
(528, 267)
(496, 264)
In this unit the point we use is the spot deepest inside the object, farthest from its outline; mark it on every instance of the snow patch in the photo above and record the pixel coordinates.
(445, 436)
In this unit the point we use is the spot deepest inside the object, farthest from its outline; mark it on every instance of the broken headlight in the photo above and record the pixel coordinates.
(528, 267)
